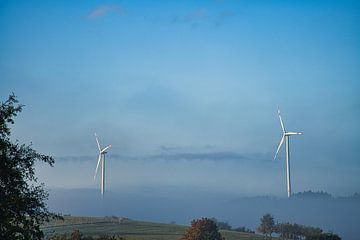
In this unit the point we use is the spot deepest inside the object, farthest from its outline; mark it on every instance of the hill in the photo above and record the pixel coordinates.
(130, 229)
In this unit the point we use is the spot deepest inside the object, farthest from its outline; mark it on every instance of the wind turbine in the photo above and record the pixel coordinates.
(285, 137)
(102, 159)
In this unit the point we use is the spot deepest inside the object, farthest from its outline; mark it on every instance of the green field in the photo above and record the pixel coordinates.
(130, 229)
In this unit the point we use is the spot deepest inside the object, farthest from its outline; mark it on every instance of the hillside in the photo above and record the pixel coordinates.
(139, 230)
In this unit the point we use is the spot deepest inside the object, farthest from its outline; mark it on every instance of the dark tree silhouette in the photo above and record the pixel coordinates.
(267, 225)
(203, 229)
(22, 206)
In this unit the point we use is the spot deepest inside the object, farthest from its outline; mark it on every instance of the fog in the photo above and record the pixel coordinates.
(166, 204)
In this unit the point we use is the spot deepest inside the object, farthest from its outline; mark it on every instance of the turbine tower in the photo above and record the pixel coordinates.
(101, 158)
(285, 137)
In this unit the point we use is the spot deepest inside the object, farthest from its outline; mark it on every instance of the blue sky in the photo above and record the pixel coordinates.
(187, 91)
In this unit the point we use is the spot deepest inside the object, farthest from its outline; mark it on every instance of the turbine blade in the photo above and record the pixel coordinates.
(281, 122)
(281, 142)
(293, 133)
(106, 148)
(97, 166)
(97, 142)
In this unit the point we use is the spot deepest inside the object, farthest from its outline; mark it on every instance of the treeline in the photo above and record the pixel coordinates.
(292, 231)
(324, 196)
(300, 232)
(311, 194)
(227, 226)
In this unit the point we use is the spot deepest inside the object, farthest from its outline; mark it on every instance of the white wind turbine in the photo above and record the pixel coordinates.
(102, 159)
(286, 136)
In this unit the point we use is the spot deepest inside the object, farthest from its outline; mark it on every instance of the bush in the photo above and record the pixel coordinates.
(203, 229)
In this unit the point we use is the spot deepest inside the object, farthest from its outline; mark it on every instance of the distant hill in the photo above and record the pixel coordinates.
(325, 195)
(311, 194)
(130, 229)
(354, 197)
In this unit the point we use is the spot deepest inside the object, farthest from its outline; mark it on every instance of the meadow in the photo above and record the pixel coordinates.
(130, 229)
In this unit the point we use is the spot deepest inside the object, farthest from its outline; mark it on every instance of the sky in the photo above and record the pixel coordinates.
(187, 92)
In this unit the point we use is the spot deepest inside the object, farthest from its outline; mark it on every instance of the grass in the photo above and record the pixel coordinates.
(130, 229)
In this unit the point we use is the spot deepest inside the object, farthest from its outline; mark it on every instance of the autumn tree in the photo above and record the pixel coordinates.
(22, 200)
(203, 229)
(267, 225)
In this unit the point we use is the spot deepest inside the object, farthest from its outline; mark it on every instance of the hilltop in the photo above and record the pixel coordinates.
(130, 229)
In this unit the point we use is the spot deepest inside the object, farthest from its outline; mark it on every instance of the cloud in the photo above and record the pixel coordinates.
(74, 158)
(210, 156)
(103, 10)
(174, 156)
(92, 158)
(202, 15)
(188, 156)
(169, 148)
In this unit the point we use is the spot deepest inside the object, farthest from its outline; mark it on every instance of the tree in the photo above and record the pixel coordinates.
(203, 229)
(267, 225)
(224, 225)
(296, 231)
(22, 200)
(76, 235)
(324, 236)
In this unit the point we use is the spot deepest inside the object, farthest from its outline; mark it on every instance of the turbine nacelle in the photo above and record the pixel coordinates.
(104, 150)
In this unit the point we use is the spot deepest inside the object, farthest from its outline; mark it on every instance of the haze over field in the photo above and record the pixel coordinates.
(187, 94)
(338, 215)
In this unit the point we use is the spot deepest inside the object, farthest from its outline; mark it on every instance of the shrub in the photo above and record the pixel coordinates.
(203, 229)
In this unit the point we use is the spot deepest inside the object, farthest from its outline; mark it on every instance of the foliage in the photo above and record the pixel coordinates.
(267, 225)
(77, 235)
(222, 225)
(293, 231)
(22, 201)
(311, 194)
(227, 226)
(296, 231)
(203, 229)
(324, 236)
